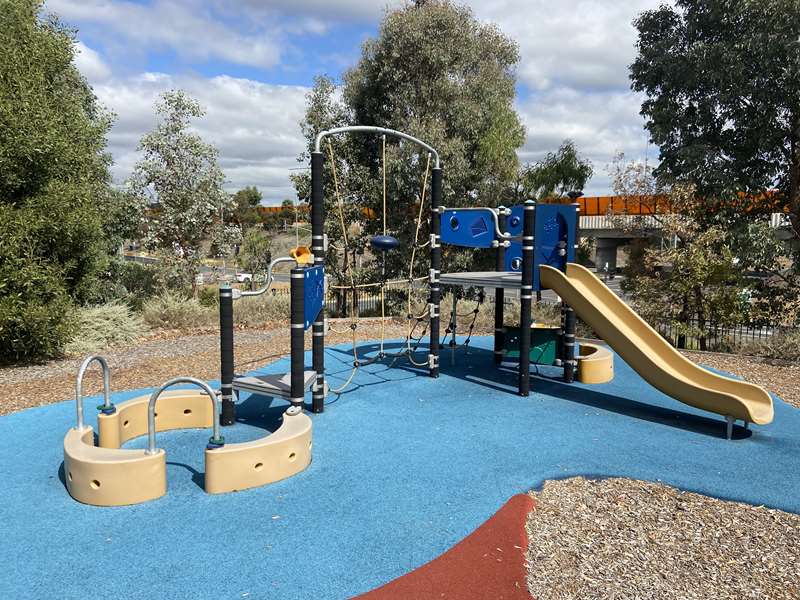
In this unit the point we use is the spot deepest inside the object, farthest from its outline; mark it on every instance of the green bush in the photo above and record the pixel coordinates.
(783, 345)
(208, 296)
(100, 327)
(172, 310)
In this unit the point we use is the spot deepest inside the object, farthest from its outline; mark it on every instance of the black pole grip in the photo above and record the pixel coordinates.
(297, 389)
(436, 269)
(228, 412)
(318, 249)
(569, 344)
(526, 293)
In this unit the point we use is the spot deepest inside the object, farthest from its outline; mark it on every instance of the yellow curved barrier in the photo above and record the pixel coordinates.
(651, 355)
(183, 409)
(595, 363)
(111, 477)
(282, 454)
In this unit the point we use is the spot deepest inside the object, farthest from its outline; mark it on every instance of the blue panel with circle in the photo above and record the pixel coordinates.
(468, 228)
(313, 293)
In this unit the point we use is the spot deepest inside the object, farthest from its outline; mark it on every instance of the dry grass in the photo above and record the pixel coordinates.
(618, 538)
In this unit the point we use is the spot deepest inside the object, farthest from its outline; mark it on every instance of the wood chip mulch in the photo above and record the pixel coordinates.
(152, 361)
(618, 538)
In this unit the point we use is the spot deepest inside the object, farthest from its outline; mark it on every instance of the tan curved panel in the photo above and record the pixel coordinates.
(595, 363)
(111, 477)
(175, 409)
(650, 355)
(282, 454)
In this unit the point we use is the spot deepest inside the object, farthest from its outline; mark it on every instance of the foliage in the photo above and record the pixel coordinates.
(261, 310)
(180, 178)
(722, 80)
(172, 310)
(244, 204)
(103, 326)
(53, 184)
(555, 175)
(256, 252)
(225, 239)
(783, 345)
(436, 72)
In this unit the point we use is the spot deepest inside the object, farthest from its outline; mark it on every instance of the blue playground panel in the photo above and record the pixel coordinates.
(313, 294)
(468, 228)
(555, 229)
(404, 467)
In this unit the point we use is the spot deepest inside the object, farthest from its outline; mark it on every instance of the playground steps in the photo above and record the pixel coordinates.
(276, 385)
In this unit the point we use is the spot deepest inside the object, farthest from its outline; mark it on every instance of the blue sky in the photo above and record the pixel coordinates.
(251, 62)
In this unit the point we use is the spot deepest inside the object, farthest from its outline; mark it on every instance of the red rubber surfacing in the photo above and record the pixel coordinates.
(487, 564)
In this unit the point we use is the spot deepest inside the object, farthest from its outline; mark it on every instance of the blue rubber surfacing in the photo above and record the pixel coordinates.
(404, 467)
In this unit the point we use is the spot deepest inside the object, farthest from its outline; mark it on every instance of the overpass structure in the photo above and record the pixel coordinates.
(613, 221)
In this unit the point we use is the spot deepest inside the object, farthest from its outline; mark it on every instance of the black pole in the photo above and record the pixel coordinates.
(499, 293)
(526, 293)
(297, 339)
(436, 266)
(228, 414)
(569, 313)
(318, 250)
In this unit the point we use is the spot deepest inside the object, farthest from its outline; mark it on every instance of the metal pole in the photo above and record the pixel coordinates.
(228, 416)
(298, 337)
(526, 293)
(318, 249)
(436, 266)
(570, 364)
(499, 293)
(454, 327)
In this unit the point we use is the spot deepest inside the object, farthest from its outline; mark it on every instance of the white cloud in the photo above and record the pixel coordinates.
(187, 27)
(254, 125)
(89, 63)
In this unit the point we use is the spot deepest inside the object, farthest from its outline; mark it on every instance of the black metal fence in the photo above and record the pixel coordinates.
(363, 302)
(693, 335)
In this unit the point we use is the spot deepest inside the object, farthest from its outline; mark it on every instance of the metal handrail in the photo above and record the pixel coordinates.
(383, 130)
(79, 387)
(216, 439)
(270, 278)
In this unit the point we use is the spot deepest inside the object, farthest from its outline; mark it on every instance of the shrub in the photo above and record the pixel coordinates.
(100, 327)
(784, 345)
(260, 310)
(172, 310)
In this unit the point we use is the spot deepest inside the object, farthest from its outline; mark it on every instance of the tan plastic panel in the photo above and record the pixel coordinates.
(176, 409)
(111, 477)
(595, 363)
(651, 355)
(282, 454)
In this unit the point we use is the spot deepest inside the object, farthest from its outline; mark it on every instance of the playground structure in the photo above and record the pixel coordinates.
(535, 249)
(109, 475)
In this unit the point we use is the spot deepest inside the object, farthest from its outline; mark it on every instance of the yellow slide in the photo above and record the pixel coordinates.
(650, 355)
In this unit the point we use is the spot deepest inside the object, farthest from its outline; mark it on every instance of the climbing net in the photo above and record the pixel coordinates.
(412, 338)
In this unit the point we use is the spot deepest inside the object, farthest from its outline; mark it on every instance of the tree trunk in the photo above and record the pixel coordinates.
(701, 317)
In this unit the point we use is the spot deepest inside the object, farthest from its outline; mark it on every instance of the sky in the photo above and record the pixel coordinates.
(250, 64)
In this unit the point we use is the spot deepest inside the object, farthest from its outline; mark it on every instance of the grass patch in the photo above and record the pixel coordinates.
(100, 327)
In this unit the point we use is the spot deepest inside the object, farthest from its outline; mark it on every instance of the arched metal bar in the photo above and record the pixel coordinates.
(216, 439)
(270, 277)
(79, 386)
(382, 130)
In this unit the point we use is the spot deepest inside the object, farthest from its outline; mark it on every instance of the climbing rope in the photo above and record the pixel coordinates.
(413, 320)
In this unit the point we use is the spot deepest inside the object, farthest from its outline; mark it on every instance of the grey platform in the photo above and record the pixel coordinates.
(277, 385)
(489, 279)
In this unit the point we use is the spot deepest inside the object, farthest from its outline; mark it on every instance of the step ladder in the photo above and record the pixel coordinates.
(275, 385)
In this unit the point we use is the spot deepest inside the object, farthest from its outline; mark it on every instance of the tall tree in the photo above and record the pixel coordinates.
(438, 73)
(555, 175)
(722, 80)
(245, 203)
(54, 183)
(180, 177)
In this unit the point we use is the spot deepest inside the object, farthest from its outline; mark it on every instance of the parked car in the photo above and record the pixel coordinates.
(244, 277)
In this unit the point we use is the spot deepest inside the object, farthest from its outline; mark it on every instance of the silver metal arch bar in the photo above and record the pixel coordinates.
(79, 386)
(383, 130)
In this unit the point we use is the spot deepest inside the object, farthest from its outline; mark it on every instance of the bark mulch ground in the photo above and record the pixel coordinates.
(618, 538)
(152, 361)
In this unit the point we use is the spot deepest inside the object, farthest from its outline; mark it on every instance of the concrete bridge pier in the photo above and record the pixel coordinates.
(606, 253)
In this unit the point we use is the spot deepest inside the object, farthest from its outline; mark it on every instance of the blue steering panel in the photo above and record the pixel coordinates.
(468, 228)
(313, 294)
